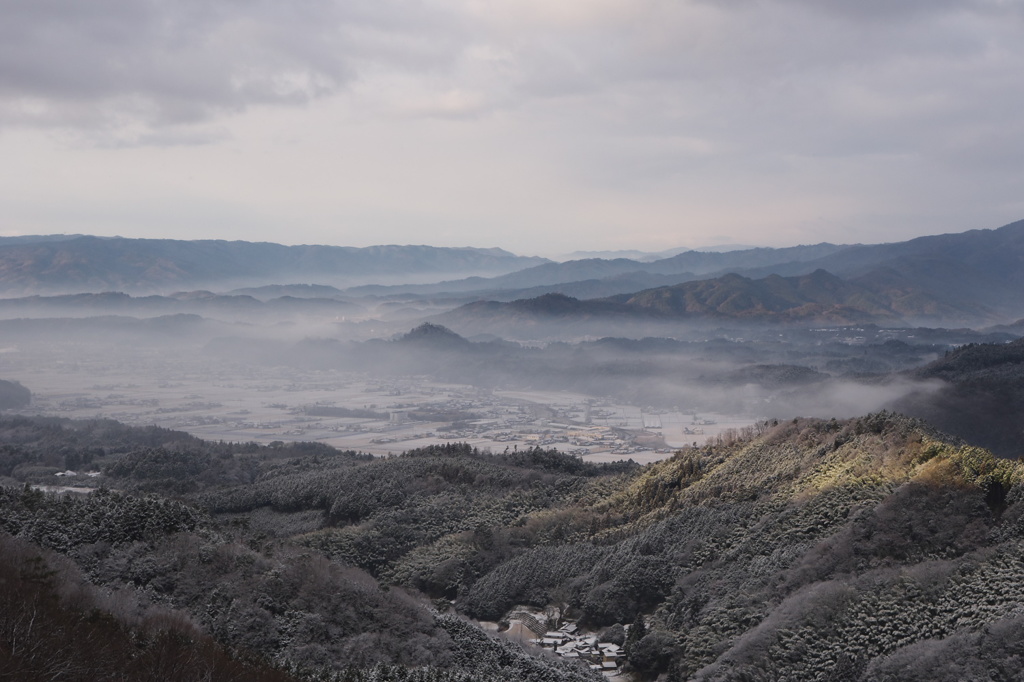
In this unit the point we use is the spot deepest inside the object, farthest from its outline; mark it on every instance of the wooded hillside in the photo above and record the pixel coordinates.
(866, 549)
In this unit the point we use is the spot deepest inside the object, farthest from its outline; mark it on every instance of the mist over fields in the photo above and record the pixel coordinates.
(741, 335)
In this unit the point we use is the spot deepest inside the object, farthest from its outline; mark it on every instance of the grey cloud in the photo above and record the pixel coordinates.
(733, 80)
(810, 79)
(872, 11)
(177, 61)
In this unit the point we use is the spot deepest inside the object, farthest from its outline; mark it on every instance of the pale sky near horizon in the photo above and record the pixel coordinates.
(542, 127)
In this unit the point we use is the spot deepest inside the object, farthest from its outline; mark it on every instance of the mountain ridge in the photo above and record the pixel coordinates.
(973, 277)
(88, 264)
(814, 298)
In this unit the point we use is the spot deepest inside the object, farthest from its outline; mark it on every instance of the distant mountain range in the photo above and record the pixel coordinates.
(623, 271)
(227, 308)
(819, 296)
(648, 256)
(967, 279)
(816, 298)
(49, 265)
(972, 278)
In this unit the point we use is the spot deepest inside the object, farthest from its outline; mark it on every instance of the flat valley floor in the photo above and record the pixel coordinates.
(235, 402)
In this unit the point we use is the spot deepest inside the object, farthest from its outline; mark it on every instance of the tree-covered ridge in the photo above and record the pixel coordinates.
(730, 549)
(299, 610)
(801, 549)
(406, 518)
(63, 523)
(146, 458)
(710, 545)
(974, 358)
(33, 448)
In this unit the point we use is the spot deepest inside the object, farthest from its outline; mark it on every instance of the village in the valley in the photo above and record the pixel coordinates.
(567, 640)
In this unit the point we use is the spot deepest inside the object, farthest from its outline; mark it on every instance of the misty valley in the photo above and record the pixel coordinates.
(248, 461)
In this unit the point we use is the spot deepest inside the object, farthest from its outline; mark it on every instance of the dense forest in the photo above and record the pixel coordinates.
(864, 549)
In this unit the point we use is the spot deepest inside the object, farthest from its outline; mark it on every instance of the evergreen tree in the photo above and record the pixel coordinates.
(637, 631)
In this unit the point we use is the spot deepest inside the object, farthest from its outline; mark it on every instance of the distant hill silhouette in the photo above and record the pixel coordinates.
(237, 307)
(590, 273)
(819, 297)
(433, 335)
(972, 278)
(13, 394)
(271, 291)
(90, 264)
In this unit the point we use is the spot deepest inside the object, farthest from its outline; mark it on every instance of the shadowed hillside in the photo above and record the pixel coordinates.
(981, 398)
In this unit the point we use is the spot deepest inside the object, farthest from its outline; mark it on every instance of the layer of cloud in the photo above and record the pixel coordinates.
(869, 63)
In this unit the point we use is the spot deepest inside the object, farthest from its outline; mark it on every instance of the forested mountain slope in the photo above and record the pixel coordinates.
(977, 267)
(980, 395)
(817, 548)
(238, 578)
(54, 625)
(865, 549)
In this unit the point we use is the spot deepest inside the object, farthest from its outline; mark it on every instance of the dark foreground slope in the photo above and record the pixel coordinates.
(54, 625)
(238, 581)
(866, 549)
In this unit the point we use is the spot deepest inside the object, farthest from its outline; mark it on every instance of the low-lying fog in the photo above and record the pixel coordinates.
(365, 385)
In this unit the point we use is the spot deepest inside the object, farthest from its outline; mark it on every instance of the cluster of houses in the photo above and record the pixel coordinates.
(568, 641)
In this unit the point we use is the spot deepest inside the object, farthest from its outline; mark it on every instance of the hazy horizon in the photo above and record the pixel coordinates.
(633, 253)
(553, 255)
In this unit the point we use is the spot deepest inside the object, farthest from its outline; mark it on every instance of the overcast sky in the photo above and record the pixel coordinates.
(541, 126)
